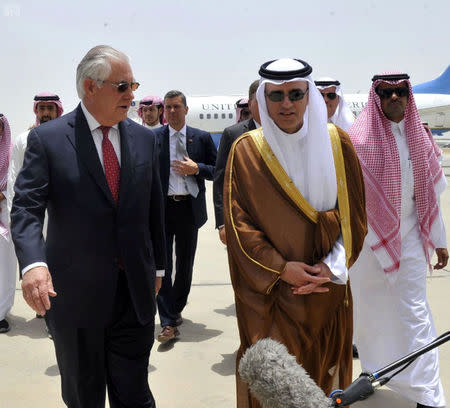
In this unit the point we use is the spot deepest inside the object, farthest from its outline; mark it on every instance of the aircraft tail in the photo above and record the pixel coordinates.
(440, 85)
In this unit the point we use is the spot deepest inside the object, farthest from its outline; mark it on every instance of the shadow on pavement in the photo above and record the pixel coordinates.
(52, 371)
(227, 366)
(34, 328)
(228, 311)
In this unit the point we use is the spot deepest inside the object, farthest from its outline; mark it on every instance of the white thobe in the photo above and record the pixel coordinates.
(392, 315)
(7, 264)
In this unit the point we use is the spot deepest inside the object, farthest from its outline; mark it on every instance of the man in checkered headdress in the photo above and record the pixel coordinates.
(403, 182)
(46, 106)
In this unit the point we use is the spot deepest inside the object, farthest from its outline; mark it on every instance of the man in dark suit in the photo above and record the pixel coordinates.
(97, 174)
(229, 135)
(187, 158)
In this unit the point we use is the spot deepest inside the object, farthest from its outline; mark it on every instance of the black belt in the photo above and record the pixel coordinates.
(179, 197)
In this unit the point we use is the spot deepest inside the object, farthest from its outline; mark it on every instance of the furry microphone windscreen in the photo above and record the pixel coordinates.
(277, 380)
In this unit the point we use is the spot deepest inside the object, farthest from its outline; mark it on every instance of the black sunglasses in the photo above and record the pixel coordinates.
(329, 95)
(293, 95)
(123, 86)
(386, 93)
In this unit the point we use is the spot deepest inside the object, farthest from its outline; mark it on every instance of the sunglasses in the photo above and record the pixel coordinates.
(386, 93)
(329, 95)
(293, 95)
(123, 86)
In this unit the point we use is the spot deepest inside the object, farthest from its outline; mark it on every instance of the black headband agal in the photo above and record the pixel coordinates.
(285, 75)
(1, 115)
(327, 83)
(241, 104)
(147, 103)
(46, 98)
(390, 77)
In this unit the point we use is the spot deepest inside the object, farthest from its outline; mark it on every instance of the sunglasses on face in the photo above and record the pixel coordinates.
(293, 95)
(329, 95)
(386, 93)
(123, 86)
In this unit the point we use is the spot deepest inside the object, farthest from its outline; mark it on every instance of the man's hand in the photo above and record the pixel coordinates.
(185, 168)
(313, 287)
(305, 278)
(222, 235)
(158, 283)
(442, 255)
(37, 286)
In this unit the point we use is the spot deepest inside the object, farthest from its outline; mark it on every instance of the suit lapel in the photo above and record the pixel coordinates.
(80, 137)
(128, 157)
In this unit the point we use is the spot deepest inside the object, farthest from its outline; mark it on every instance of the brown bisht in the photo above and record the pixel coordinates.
(268, 223)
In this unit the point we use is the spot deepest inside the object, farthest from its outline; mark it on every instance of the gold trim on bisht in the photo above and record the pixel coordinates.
(232, 151)
(341, 179)
(281, 176)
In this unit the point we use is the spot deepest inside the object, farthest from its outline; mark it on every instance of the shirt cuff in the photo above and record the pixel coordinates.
(160, 273)
(33, 265)
(335, 260)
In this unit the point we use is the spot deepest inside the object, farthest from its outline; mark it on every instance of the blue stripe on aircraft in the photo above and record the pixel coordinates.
(440, 85)
(216, 138)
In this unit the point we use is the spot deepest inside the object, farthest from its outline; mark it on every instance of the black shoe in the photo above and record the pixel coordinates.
(38, 316)
(424, 406)
(355, 352)
(4, 326)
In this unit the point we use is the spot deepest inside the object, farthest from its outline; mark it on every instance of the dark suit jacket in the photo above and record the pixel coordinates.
(229, 135)
(88, 236)
(201, 149)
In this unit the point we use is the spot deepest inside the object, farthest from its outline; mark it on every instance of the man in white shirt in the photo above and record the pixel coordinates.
(403, 182)
(187, 158)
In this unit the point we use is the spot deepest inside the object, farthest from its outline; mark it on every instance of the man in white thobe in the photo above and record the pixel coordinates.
(403, 182)
(338, 111)
(46, 106)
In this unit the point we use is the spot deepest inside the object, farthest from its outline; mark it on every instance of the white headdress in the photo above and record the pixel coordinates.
(305, 155)
(343, 117)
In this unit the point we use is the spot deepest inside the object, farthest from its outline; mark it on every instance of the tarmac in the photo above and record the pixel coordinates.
(197, 370)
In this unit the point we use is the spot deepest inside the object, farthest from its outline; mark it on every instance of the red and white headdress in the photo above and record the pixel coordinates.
(375, 144)
(47, 97)
(5, 153)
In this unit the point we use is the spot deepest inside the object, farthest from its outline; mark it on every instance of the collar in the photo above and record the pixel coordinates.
(400, 126)
(172, 130)
(92, 122)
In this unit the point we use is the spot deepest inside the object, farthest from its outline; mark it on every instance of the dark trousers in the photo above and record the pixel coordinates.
(116, 358)
(180, 227)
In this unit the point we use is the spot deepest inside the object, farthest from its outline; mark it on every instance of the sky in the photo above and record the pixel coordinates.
(214, 47)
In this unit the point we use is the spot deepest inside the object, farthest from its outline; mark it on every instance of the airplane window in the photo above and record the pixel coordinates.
(201, 115)
(230, 115)
(224, 116)
(208, 116)
(216, 116)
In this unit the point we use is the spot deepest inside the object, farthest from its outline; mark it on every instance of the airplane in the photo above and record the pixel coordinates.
(215, 113)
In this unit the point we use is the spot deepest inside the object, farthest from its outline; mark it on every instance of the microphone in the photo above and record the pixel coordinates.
(277, 380)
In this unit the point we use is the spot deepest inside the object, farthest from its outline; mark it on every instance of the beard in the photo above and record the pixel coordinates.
(45, 119)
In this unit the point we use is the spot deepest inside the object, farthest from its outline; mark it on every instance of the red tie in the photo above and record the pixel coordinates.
(110, 163)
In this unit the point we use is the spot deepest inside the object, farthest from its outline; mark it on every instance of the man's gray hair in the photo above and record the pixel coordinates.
(96, 65)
